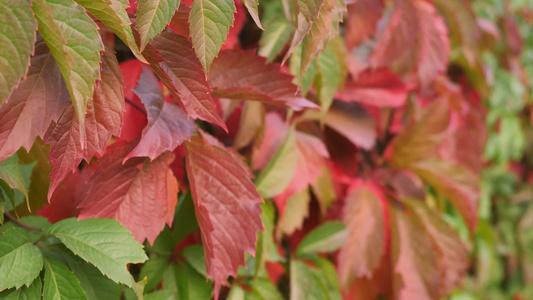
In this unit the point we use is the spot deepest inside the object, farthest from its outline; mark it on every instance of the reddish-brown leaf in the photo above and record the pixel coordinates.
(417, 274)
(180, 20)
(415, 41)
(420, 137)
(183, 74)
(134, 118)
(140, 194)
(452, 253)
(227, 207)
(102, 120)
(381, 88)
(242, 75)
(168, 125)
(458, 184)
(364, 218)
(38, 100)
(361, 21)
(305, 16)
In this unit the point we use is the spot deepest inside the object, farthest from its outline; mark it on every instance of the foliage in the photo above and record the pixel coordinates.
(294, 149)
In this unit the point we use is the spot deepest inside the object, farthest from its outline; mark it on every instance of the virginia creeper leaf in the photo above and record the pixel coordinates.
(140, 198)
(153, 16)
(210, 21)
(17, 37)
(452, 253)
(277, 32)
(11, 173)
(307, 13)
(361, 21)
(420, 137)
(20, 260)
(59, 282)
(417, 275)
(227, 207)
(364, 218)
(103, 119)
(24, 293)
(180, 20)
(327, 237)
(168, 125)
(113, 14)
(38, 100)
(253, 10)
(102, 242)
(455, 182)
(304, 285)
(242, 75)
(184, 76)
(295, 211)
(75, 44)
(328, 78)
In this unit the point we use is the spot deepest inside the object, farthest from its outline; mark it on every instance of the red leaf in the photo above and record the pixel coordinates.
(227, 208)
(102, 120)
(365, 220)
(242, 75)
(417, 275)
(38, 100)
(142, 198)
(415, 41)
(381, 88)
(168, 126)
(232, 39)
(183, 74)
(362, 19)
(180, 19)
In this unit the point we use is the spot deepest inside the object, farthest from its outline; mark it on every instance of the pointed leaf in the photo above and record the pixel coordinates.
(326, 238)
(113, 14)
(305, 286)
(242, 75)
(227, 207)
(103, 119)
(153, 17)
(253, 10)
(210, 21)
(11, 173)
(328, 78)
(140, 198)
(102, 242)
(277, 32)
(417, 275)
(364, 218)
(420, 137)
(183, 75)
(59, 282)
(38, 100)
(17, 35)
(307, 13)
(295, 211)
(20, 260)
(168, 125)
(24, 293)
(457, 183)
(75, 44)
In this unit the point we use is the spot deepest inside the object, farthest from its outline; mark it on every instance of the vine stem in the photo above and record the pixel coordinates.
(136, 106)
(16, 221)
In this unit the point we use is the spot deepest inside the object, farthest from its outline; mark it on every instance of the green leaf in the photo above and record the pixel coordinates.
(7, 193)
(327, 237)
(11, 173)
(20, 260)
(305, 286)
(328, 79)
(153, 16)
(253, 10)
(113, 14)
(277, 33)
(296, 210)
(102, 242)
(75, 43)
(265, 289)
(210, 21)
(17, 36)
(279, 171)
(59, 282)
(24, 293)
(153, 269)
(197, 285)
(194, 255)
(185, 219)
(161, 295)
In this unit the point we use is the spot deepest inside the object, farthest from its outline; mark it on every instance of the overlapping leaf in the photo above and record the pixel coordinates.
(253, 10)
(17, 35)
(210, 21)
(59, 282)
(306, 14)
(242, 75)
(168, 126)
(103, 119)
(361, 21)
(38, 100)
(141, 198)
(184, 76)
(365, 220)
(74, 42)
(153, 17)
(227, 207)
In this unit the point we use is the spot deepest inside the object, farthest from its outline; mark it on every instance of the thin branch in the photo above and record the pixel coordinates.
(136, 106)
(16, 221)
